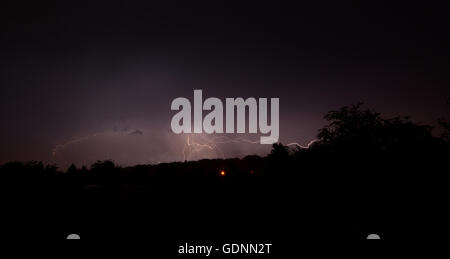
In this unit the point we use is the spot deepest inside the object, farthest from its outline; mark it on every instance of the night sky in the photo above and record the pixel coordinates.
(86, 81)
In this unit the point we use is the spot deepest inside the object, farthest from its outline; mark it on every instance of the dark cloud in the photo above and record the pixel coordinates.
(136, 132)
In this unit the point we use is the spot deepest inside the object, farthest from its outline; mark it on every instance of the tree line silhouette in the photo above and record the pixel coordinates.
(363, 174)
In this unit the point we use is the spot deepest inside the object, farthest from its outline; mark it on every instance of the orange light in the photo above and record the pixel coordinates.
(222, 173)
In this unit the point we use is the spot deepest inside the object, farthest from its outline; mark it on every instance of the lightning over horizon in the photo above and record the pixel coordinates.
(76, 71)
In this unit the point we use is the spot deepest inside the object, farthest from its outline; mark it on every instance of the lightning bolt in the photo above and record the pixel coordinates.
(194, 143)
(192, 146)
(301, 146)
(57, 148)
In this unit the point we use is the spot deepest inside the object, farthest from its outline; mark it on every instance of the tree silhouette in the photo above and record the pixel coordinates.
(446, 126)
(103, 166)
(353, 129)
(72, 169)
(279, 152)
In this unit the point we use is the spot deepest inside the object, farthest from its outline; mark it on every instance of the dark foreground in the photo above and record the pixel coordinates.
(364, 175)
(171, 204)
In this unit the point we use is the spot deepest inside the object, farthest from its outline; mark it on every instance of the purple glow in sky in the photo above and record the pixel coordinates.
(86, 83)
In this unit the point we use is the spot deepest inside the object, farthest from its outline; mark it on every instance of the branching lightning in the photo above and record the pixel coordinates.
(192, 146)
